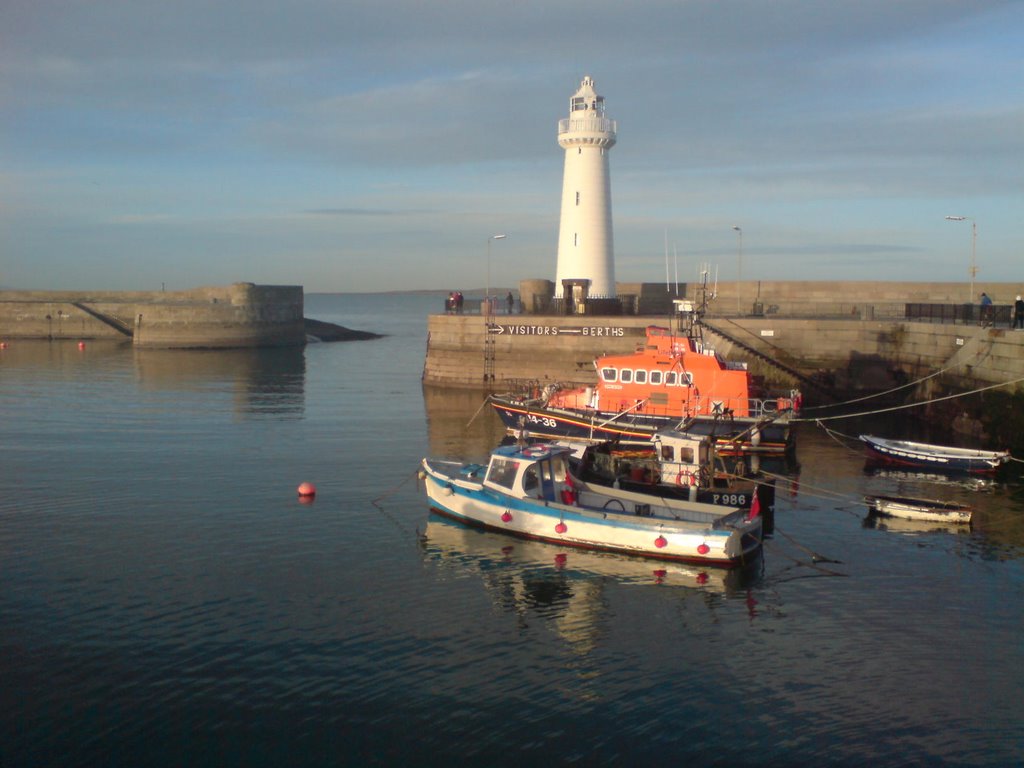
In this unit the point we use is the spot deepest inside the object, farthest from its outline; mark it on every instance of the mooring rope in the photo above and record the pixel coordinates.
(398, 523)
(907, 405)
(485, 402)
(883, 394)
(816, 557)
(822, 493)
(803, 564)
(835, 435)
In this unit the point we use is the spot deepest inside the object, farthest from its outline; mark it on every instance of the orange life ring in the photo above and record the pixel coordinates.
(685, 477)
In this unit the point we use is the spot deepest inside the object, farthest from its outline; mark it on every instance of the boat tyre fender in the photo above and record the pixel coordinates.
(685, 478)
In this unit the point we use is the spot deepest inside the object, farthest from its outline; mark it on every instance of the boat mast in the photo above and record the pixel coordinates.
(690, 312)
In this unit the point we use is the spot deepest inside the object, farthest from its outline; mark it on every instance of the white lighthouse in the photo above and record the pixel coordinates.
(585, 251)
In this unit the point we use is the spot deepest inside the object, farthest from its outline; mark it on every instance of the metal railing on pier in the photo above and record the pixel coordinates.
(996, 315)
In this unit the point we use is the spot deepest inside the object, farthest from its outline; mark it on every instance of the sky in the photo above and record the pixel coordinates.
(351, 145)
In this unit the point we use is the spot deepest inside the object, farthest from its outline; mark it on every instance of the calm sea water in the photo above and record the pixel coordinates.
(166, 600)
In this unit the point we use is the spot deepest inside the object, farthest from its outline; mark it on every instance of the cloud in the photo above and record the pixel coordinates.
(291, 133)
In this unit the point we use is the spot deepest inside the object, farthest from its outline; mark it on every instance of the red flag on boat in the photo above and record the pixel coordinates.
(755, 506)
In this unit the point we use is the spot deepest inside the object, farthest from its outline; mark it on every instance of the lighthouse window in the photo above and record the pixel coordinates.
(575, 238)
(577, 198)
(625, 376)
(608, 374)
(655, 377)
(641, 377)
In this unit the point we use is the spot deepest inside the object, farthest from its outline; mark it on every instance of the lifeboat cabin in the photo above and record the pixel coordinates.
(671, 375)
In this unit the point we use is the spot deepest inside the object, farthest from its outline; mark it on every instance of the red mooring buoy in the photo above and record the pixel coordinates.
(307, 490)
(81, 345)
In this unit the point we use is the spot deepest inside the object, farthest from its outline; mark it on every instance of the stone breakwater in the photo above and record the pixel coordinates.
(221, 317)
(853, 354)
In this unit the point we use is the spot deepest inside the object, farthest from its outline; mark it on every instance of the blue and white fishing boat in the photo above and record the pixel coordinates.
(905, 453)
(529, 491)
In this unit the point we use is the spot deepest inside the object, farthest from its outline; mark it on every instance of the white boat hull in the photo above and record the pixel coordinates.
(618, 527)
(920, 509)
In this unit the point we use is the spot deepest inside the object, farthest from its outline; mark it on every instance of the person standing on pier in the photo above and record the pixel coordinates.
(1018, 313)
(986, 308)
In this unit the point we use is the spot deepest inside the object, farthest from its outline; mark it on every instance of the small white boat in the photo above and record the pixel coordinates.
(929, 510)
(530, 492)
(946, 458)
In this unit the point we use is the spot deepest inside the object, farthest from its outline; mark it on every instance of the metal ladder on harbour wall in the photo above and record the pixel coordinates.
(487, 310)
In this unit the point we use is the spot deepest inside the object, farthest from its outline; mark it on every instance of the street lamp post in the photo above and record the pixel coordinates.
(739, 265)
(487, 289)
(972, 270)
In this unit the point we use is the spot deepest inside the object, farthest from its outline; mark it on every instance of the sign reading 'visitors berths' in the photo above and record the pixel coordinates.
(562, 330)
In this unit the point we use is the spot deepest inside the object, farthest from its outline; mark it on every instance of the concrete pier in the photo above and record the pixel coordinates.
(220, 317)
(856, 334)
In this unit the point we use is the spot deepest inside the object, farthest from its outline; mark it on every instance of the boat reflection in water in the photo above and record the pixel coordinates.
(913, 527)
(567, 586)
(917, 478)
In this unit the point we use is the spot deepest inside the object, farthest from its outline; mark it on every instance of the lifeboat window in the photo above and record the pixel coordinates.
(530, 479)
(671, 379)
(608, 374)
(688, 379)
(503, 472)
(625, 375)
(655, 377)
(640, 377)
(685, 455)
(666, 453)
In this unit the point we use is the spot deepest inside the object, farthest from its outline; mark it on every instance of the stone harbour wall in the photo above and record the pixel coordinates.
(239, 315)
(463, 351)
